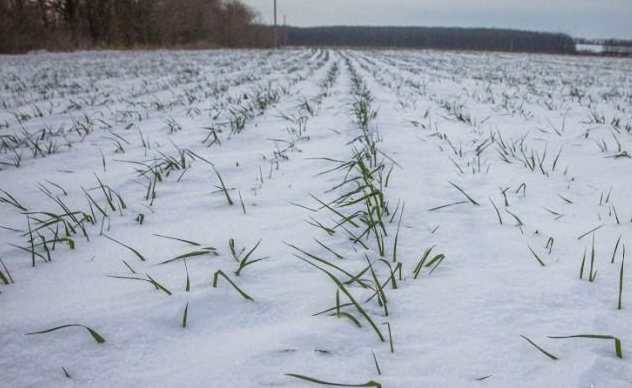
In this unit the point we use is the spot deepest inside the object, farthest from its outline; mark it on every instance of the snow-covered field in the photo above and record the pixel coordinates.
(241, 219)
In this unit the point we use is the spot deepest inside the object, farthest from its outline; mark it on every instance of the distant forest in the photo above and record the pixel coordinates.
(431, 38)
(27, 25)
(77, 24)
(606, 42)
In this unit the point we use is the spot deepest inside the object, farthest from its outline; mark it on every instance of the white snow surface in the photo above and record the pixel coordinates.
(553, 133)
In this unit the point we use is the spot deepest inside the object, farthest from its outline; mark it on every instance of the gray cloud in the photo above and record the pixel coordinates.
(580, 18)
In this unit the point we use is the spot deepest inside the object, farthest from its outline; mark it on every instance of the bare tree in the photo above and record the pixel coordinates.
(69, 24)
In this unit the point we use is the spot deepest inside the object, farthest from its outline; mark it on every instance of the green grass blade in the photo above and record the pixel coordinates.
(329, 249)
(222, 274)
(617, 342)
(187, 287)
(619, 305)
(616, 248)
(465, 194)
(158, 285)
(185, 315)
(590, 231)
(549, 355)
(223, 188)
(500, 219)
(377, 365)
(390, 336)
(321, 382)
(448, 205)
(349, 316)
(537, 257)
(97, 337)
(203, 252)
(178, 239)
(141, 257)
(356, 304)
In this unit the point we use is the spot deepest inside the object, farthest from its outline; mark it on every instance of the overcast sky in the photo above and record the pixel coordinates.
(579, 18)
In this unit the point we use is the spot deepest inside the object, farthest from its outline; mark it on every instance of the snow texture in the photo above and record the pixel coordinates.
(545, 140)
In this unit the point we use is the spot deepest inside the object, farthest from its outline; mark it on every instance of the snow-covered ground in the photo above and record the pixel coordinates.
(139, 191)
(590, 48)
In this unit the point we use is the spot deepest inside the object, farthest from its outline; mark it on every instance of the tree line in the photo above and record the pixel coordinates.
(76, 24)
(431, 38)
(605, 42)
(27, 25)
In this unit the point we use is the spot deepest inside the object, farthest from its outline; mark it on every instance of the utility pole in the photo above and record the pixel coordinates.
(276, 33)
(284, 30)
